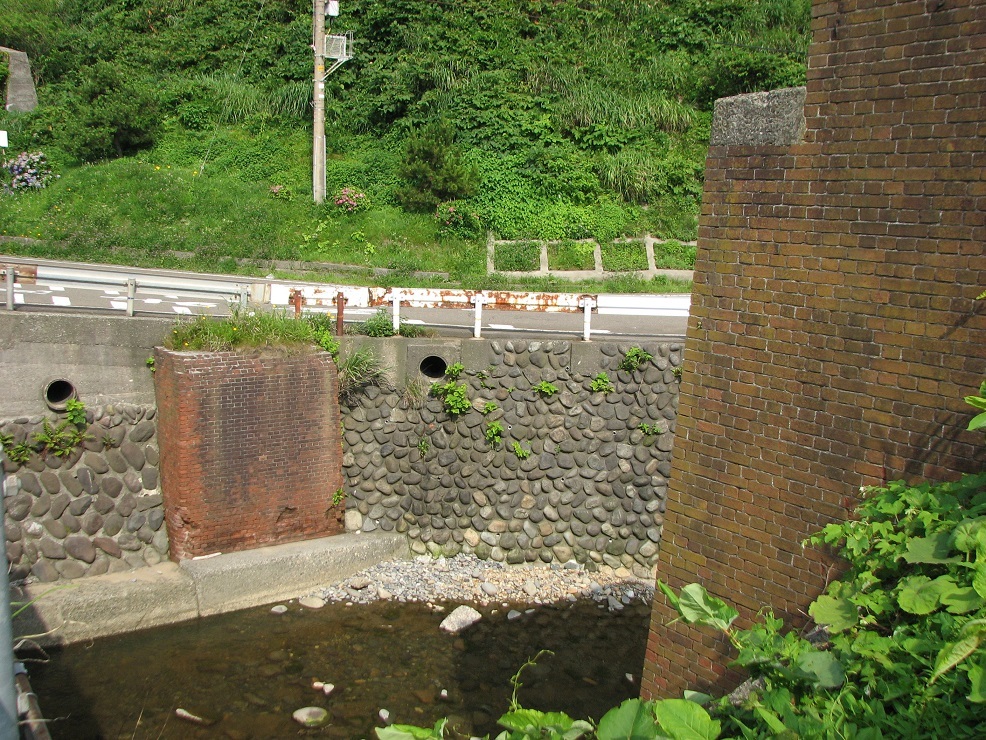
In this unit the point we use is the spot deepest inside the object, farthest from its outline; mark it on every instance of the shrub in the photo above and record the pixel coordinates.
(455, 218)
(517, 257)
(359, 371)
(545, 389)
(601, 384)
(572, 255)
(674, 255)
(434, 170)
(454, 397)
(109, 114)
(350, 200)
(493, 433)
(27, 171)
(624, 257)
(634, 358)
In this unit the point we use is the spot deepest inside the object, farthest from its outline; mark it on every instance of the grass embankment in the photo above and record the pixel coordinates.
(186, 128)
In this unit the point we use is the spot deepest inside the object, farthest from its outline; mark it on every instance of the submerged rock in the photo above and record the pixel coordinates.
(310, 716)
(460, 618)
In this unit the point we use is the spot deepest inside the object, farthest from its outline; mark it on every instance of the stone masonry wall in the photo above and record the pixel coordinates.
(834, 328)
(250, 449)
(94, 511)
(593, 488)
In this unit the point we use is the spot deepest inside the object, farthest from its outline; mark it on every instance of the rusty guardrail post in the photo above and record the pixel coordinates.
(340, 306)
(296, 298)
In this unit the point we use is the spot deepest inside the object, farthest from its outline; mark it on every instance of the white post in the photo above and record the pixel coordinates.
(587, 305)
(243, 296)
(131, 294)
(479, 299)
(395, 296)
(10, 287)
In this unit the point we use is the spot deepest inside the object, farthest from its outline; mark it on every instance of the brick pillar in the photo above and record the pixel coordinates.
(251, 450)
(834, 328)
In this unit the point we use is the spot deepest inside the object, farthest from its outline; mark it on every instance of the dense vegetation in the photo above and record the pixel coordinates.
(179, 125)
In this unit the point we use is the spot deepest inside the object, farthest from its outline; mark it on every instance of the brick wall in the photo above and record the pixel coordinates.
(250, 449)
(833, 329)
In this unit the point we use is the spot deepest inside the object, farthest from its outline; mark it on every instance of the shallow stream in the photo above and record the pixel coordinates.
(246, 672)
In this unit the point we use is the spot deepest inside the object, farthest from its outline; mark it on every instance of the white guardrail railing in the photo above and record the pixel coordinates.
(324, 297)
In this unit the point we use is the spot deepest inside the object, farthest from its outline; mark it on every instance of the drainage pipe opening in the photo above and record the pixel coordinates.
(57, 394)
(433, 367)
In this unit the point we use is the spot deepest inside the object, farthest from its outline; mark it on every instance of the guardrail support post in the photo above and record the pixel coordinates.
(587, 305)
(9, 270)
(479, 299)
(340, 306)
(131, 294)
(395, 296)
(243, 296)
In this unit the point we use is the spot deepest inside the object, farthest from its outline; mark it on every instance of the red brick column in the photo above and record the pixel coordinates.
(251, 449)
(833, 329)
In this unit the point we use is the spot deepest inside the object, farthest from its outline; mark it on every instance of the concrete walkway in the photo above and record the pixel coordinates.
(168, 593)
(21, 95)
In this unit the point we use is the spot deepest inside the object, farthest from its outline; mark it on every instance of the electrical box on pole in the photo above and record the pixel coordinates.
(339, 49)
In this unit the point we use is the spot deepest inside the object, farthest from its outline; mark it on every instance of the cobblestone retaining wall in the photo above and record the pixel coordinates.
(95, 511)
(593, 488)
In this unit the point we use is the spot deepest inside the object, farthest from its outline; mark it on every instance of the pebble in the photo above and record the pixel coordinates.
(279, 609)
(310, 716)
(312, 602)
(436, 580)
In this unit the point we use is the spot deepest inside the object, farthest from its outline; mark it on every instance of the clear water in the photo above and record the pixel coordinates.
(246, 672)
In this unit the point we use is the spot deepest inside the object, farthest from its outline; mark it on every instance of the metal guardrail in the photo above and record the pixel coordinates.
(313, 296)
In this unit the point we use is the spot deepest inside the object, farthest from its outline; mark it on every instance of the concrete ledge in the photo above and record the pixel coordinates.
(168, 593)
(774, 118)
(241, 579)
(106, 605)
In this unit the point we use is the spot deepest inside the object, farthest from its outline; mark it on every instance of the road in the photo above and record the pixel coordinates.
(65, 286)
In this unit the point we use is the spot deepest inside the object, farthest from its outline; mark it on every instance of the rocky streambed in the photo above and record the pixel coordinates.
(467, 579)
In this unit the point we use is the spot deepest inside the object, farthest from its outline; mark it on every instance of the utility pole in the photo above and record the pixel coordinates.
(318, 153)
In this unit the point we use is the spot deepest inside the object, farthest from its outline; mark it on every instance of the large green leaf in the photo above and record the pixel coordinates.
(835, 613)
(410, 732)
(633, 720)
(824, 668)
(921, 595)
(534, 723)
(977, 677)
(978, 422)
(976, 401)
(685, 720)
(698, 606)
(933, 549)
(954, 653)
(965, 536)
(962, 601)
(979, 578)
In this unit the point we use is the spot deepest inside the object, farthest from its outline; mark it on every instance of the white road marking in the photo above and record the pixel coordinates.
(182, 309)
(412, 321)
(122, 305)
(172, 296)
(107, 291)
(195, 304)
(18, 297)
(501, 326)
(61, 300)
(154, 301)
(600, 331)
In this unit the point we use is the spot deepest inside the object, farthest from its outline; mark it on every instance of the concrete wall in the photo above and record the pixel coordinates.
(834, 328)
(250, 449)
(104, 357)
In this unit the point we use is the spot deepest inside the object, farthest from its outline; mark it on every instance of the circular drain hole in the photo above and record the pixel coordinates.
(57, 393)
(433, 367)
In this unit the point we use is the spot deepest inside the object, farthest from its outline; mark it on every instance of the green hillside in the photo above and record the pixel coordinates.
(185, 125)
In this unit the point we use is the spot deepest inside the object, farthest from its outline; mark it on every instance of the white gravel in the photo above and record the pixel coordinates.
(467, 579)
